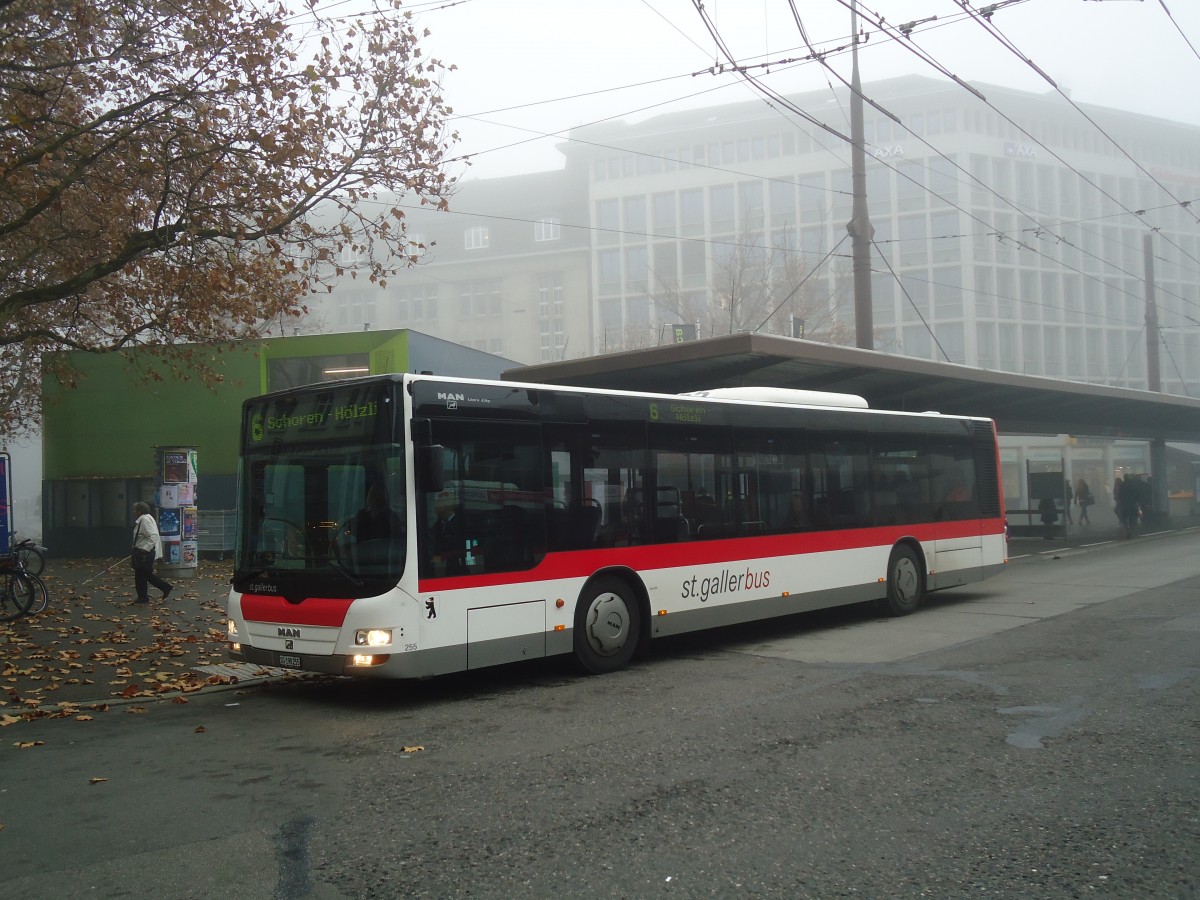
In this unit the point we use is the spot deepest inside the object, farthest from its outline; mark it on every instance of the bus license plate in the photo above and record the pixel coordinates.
(289, 662)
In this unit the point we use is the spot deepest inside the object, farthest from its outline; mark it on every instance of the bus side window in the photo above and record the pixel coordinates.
(952, 480)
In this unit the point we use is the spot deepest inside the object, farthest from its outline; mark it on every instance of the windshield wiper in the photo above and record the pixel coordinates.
(336, 564)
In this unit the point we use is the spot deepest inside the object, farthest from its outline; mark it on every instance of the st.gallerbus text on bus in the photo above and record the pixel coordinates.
(408, 526)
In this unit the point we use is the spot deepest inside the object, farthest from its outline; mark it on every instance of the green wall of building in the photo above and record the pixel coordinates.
(98, 438)
(109, 424)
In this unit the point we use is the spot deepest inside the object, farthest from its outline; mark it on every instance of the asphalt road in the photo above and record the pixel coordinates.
(1034, 736)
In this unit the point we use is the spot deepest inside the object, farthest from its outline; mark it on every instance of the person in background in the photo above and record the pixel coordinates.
(1127, 503)
(1049, 513)
(147, 546)
(1083, 496)
(1068, 500)
(449, 537)
(376, 521)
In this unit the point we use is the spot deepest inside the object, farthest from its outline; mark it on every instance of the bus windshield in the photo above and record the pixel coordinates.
(324, 499)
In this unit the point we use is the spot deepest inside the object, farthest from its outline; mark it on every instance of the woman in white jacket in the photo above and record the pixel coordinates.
(146, 546)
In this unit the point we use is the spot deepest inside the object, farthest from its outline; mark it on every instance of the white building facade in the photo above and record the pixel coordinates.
(1012, 245)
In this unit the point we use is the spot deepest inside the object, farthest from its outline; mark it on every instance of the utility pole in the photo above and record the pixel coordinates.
(859, 225)
(1153, 366)
(1158, 447)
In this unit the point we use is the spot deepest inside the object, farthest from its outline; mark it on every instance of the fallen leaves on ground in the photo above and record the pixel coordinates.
(90, 642)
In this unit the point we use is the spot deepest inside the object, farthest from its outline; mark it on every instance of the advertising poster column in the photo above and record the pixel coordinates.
(176, 501)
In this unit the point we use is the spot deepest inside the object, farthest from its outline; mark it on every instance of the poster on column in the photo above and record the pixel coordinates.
(175, 467)
(178, 516)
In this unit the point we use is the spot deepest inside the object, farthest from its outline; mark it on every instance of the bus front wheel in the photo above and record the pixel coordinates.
(905, 582)
(607, 626)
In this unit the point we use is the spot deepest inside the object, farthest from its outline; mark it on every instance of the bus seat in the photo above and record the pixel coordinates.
(583, 521)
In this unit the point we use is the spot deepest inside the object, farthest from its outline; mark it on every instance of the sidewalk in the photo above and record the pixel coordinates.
(93, 650)
(1102, 531)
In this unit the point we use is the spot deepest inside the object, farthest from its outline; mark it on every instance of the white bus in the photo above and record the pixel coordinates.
(408, 526)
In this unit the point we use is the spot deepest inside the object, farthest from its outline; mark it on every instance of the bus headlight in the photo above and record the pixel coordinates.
(231, 629)
(366, 660)
(373, 637)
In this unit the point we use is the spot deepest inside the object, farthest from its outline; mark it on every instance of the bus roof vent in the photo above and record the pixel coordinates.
(783, 395)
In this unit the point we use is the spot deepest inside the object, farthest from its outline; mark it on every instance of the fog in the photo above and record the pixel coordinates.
(529, 70)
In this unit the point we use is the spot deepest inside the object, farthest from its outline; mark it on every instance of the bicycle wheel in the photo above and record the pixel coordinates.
(41, 597)
(31, 559)
(17, 593)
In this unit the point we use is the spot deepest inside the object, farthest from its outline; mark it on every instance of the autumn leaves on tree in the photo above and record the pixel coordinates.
(175, 174)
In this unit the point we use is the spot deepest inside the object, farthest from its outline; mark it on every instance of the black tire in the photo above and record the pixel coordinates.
(608, 626)
(41, 597)
(32, 559)
(17, 595)
(905, 582)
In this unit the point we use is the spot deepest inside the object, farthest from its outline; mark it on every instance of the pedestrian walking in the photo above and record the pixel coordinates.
(1128, 497)
(1083, 496)
(147, 546)
(1068, 500)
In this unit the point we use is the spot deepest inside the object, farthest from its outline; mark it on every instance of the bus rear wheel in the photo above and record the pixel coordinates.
(608, 626)
(905, 582)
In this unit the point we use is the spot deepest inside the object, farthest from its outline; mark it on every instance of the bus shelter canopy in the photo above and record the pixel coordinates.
(1020, 404)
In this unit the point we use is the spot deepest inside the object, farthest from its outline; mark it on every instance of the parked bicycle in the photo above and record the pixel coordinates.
(32, 555)
(18, 592)
(22, 591)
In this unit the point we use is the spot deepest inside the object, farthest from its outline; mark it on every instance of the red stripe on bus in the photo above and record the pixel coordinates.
(581, 563)
(312, 611)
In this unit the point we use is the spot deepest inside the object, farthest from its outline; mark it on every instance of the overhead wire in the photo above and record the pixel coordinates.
(1039, 227)
(986, 23)
(1186, 39)
(776, 100)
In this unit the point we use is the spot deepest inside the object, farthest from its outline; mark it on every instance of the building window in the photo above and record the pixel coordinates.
(479, 298)
(608, 221)
(914, 241)
(694, 272)
(721, 200)
(664, 214)
(636, 267)
(418, 244)
(417, 303)
(550, 294)
(945, 238)
(635, 218)
(356, 307)
(547, 229)
(476, 237)
(610, 271)
(751, 203)
(297, 371)
(691, 209)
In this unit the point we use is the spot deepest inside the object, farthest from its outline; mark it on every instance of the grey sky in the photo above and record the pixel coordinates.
(521, 63)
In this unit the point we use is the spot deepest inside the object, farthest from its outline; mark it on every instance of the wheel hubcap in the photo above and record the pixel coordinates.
(607, 624)
(906, 580)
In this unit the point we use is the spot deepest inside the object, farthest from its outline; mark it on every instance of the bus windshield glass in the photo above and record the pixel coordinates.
(322, 493)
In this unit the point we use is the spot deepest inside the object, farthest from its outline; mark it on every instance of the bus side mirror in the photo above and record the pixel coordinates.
(430, 471)
(422, 432)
